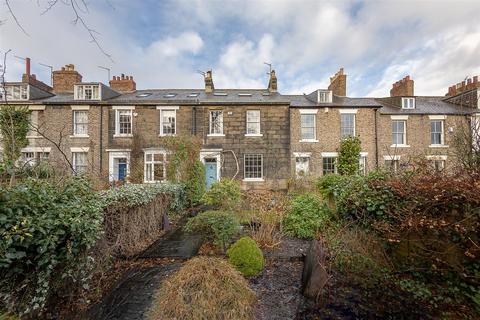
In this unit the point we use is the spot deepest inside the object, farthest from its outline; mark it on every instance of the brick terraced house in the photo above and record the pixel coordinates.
(258, 136)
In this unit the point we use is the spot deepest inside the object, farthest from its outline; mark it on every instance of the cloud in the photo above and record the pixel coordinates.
(162, 44)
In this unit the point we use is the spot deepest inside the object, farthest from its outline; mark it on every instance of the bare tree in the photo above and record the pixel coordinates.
(466, 144)
(79, 9)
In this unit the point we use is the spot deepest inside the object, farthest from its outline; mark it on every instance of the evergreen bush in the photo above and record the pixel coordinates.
(195, 184)
(217, 226)
(246, 256)
(225, 193)
(349, 155)
(307, 215)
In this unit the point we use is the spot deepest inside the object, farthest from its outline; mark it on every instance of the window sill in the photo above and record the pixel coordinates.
(253, 180)
(216, 135)
(400, 146)
(254, 135)
(308, 140)
(167, 135)
(123, 135)
(438, 146)
(80, 136)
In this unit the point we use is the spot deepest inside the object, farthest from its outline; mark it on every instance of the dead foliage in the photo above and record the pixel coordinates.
(204, 288)
(129, 230)
(267, 210)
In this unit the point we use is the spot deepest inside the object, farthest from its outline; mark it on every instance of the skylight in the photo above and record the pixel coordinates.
(244, 94)
(220, 94)
(143, 95)
(266, 94)
(193, 94)
(169, 95)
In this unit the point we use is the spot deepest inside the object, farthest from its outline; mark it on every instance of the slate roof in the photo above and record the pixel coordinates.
(424, 105)
(387, 105)
(303, 101)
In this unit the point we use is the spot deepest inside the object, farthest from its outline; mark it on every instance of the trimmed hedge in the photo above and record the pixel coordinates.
(246, 256)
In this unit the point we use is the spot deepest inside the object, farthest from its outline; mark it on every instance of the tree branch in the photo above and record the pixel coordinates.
(7, 2)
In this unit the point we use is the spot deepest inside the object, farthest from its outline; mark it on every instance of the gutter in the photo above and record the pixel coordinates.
(101, 140)
(376, 139)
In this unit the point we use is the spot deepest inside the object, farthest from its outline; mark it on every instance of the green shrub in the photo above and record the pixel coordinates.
(225, 193)
(46, 232)
(348, 156)
(218, 226)
(195, 184)
(246, 256)
(308, 214)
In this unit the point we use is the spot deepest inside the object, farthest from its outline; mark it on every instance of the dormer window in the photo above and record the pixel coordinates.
(15, 92)
(87, 92)
(408, 103)
(324, 96)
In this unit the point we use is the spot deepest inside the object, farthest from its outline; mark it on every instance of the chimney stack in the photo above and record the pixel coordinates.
(31, 79)
(338, 83)
(403, 88)
(209, 87)
(460, 87)
(272, 83)
(123, 83)
(65, 79)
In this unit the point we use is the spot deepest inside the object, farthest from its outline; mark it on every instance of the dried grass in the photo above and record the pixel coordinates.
(204, 288)
(267, 210)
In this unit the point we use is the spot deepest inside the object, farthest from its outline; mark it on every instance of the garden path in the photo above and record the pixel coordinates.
(132, 296)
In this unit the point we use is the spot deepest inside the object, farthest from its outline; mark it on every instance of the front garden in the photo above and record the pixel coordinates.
(376, 246)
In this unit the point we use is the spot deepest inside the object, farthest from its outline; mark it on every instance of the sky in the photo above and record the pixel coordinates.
(163, 44)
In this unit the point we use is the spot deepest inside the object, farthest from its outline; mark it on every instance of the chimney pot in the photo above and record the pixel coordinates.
(123, 83)
(209, 86)
(27, 66)
(65, 79)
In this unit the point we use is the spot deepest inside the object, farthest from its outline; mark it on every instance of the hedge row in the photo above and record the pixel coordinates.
(48, 232)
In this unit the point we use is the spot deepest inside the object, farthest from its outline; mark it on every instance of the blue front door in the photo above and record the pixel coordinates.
(210, 172)
(122, 169)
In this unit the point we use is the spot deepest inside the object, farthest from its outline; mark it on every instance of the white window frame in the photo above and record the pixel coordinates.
(168, 109)
(408, 103)
(404, 144)
(33, 125)
(80, 89)
(324, 96)
(74, 118)
(210, 127)
(154, 162)
(362, 162)
(15, 92)
(342, 135)
(335, 164)
(37, 153)
(245, 167)
(74, 161)
(442, 133)
(311, 112)
(119, 109)
(258, 130)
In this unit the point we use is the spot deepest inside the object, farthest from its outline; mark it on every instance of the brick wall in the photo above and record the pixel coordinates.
(329, 136)
(418, 138)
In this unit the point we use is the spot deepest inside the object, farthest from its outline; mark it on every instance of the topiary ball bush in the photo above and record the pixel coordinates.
(246, 256)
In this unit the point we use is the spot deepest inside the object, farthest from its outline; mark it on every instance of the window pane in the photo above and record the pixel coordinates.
(253, 122)
(216, 122)
(253, 166)
(80, 162)
(307, 126)
(125, 121)
(398, 132)
(329, 165)
(81, 122)
(436, 132)
(347, 125)
(168, 119)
